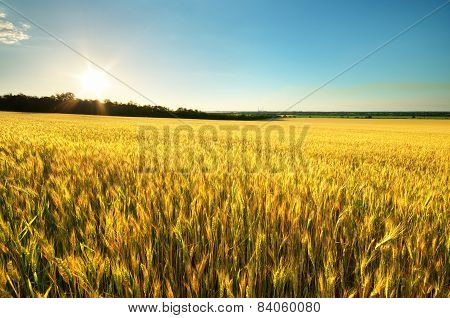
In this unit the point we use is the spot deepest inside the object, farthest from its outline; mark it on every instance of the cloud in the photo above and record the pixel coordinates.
(11, 33)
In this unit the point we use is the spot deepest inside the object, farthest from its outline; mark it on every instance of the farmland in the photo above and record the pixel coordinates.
(94, 206)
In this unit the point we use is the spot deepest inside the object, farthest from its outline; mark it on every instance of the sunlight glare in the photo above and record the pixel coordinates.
(94, 82)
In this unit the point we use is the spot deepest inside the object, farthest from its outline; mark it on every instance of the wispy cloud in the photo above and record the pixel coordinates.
(11, 33)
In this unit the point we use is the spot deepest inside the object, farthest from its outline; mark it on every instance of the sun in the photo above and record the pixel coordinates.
(94, 82)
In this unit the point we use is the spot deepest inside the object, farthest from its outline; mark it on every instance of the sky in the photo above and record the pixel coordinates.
(232, 55)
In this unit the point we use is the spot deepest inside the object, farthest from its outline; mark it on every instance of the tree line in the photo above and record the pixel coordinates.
(67, 103)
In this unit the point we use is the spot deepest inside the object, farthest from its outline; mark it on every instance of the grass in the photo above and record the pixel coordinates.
(364, 214)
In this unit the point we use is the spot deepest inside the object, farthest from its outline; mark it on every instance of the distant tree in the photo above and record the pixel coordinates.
(65, 97)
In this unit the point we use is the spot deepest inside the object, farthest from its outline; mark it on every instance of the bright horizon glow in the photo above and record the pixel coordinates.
(94, 82)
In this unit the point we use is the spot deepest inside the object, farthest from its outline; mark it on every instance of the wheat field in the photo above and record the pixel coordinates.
(358, 208)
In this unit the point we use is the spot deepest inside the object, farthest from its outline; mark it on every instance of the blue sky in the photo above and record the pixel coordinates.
(233, 55)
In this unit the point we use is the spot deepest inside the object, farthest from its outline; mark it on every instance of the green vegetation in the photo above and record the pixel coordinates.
(356, 115)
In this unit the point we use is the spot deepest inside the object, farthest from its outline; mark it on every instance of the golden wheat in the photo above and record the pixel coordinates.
(365, 213)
